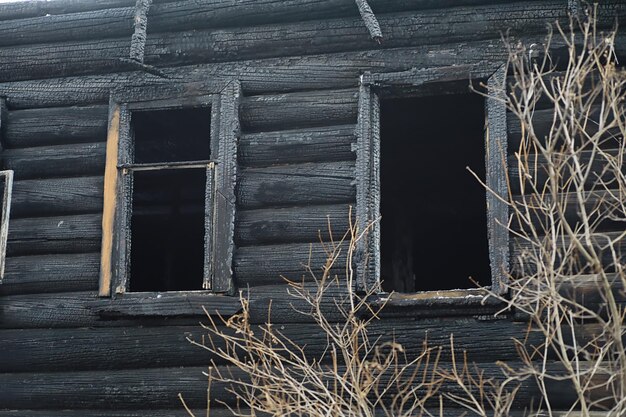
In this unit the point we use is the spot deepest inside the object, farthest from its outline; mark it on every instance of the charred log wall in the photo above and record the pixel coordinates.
(299, 63)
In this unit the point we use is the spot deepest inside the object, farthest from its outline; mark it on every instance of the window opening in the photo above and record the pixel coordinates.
(171, 155)
(434, 233)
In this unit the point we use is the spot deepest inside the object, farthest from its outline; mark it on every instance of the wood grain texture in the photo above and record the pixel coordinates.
(325, 36)
(298, 110)
(114, 17)
(318, 144)
(167, 346)
(262, 76)
(225, 200)
(291, 224)
(81, 159)
(59, 234)
(55, 126)
(298, 184)
(159, 388)
(61, 196)
(496, 181)
(51, 273)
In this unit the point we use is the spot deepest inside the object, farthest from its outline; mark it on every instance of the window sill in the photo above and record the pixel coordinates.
(441, 303)
(166, 304)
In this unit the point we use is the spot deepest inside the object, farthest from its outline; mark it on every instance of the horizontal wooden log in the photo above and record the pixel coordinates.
(55, 161)
(27, 9)
(47, 310)
(326, 71)
(179, 15)
(536, 170)
(324, 36)
(524, 253)
(293, 224)
(320, 144)
(543, 120)
(59, 196)
(262, 265)
(56, 126)
(168, 304)
(51, 273)
(159, 388)
(296, 110)
(299, 184)
(61, 234)
(167, 346)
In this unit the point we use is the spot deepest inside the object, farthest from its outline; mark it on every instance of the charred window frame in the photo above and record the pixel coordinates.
(6, 187)
(219, 192)
(430, 83)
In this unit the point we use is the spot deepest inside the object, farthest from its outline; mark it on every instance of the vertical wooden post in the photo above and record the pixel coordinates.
(225, 181)
(3, 120)
(496, 167)
(367, 256)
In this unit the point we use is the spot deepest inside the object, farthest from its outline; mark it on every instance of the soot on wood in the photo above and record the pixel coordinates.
(434, 223)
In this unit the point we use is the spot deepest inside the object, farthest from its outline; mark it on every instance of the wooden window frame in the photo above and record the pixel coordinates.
(6, 195)
(430, 82)
(219, 192)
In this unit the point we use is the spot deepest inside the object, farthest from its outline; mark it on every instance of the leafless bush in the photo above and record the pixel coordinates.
(567, 218)
(354, 376)
(567, 206)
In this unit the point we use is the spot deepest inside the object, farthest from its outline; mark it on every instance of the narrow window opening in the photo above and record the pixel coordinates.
(168, 205)
(434, 219)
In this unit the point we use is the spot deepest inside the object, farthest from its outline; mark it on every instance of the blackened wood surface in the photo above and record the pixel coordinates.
(54, 126)
(60, 234)
(164, 346)
(291, 224)
(318, 144)
(26, 9)
(55, 161)
(311, 108)
(260, 265)
(282, 74)
(496, 180)
(57, 196)
(326, 36)
(298, 184)
(114, 17)
(225, 202)
(159, 388)
(51, 273)
(367, 255)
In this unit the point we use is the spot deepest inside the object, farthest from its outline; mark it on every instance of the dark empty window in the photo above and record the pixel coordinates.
(434, 221)
(171, 156)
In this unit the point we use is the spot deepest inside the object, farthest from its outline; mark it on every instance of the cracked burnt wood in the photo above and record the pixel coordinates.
(159, 388)
(55, 126)
(167, 346)
(114, 17)
(262, 76)
(59, 196)
(298, 184)
(317, 144)
(50, 273)
(50, 235)
(343, 34)
(80, 159)
(291, 224)
(297, 110)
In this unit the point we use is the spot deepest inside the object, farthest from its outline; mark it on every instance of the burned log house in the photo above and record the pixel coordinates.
(157, 172)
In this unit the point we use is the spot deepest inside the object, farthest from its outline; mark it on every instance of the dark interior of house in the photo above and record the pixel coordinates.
(168, 209)
(434, 222)
(172, 135)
